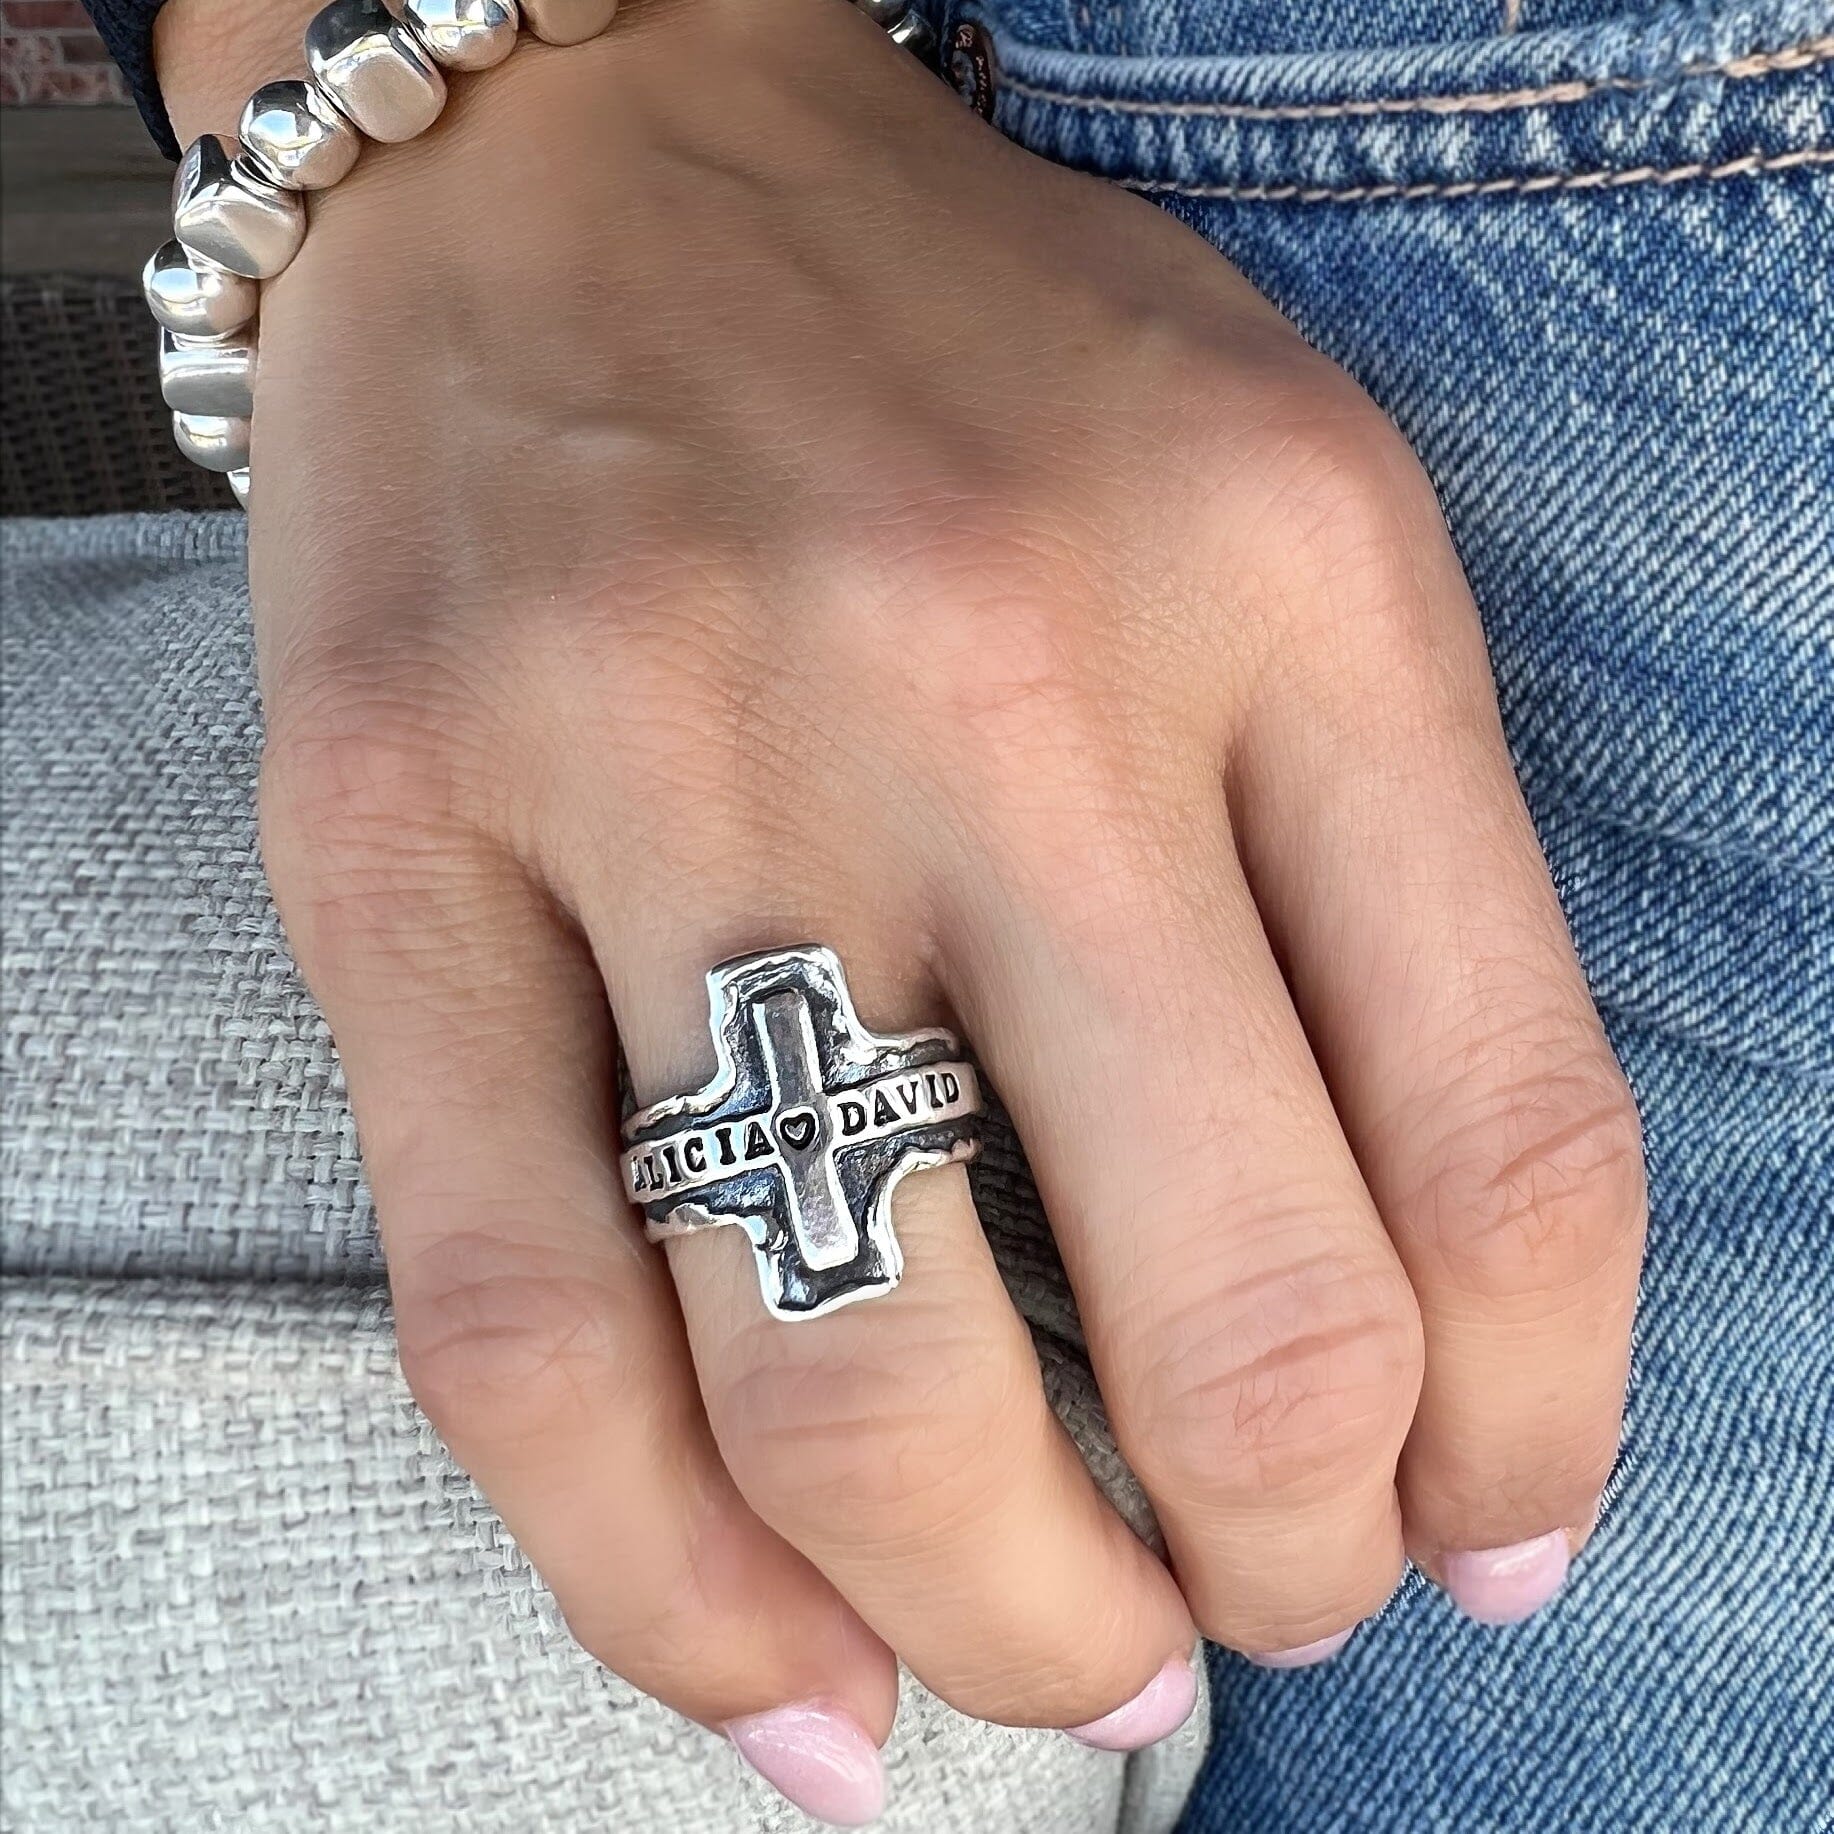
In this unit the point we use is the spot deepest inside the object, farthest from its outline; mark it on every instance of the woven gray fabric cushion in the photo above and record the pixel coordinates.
(245, 1588)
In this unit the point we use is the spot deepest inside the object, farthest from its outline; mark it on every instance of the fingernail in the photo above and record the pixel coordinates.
(817, 1756)
(1503, 1585)
(1156, 1712)
(1306, 1654)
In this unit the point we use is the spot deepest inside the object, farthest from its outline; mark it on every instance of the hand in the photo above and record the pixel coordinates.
(715, 493)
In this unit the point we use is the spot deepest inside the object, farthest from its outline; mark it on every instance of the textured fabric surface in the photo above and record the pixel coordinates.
(85, 429)
(245, 1589)
(1589, 273)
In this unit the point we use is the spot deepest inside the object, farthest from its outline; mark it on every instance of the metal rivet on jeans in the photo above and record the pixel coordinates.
(970, 67)
(914, 33)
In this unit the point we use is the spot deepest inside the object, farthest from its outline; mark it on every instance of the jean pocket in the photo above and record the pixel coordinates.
(1680, 93)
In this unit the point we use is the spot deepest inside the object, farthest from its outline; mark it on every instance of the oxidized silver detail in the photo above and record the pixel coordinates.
(197, 298)
(208, 375)
(804, 1132)
(223, 211)
(885, 13)
(374, 69)
(294, 138)
(464, 34)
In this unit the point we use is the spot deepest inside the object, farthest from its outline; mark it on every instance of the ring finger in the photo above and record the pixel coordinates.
(906, 1446)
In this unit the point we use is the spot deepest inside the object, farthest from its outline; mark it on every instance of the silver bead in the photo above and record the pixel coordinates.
(914, 33)
(884, 12)
(197, 298)
(294, 138)
(208, 375)
(224, 213)
(567, 22)
(464, 34)
(218, 442)
(374, 69)
(239, 483)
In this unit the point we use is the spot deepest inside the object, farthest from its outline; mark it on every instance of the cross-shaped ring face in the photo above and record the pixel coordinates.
(804, 1131)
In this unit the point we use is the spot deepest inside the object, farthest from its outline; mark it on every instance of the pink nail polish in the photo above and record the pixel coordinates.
(1156, 1712)
(819, 1757)
(1503, 1585)
(1306, 1654)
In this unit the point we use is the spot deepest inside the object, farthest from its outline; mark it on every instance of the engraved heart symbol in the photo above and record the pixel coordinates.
(797, 1130)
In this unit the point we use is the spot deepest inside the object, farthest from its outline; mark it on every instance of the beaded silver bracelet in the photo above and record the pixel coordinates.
(238, 204)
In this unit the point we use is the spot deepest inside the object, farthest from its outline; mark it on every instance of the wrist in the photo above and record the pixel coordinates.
(211, 55)
(739, 74)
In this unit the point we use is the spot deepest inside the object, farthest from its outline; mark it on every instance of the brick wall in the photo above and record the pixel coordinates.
(49, 54)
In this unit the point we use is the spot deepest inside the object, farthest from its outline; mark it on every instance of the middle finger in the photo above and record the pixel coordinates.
(1251, 1326)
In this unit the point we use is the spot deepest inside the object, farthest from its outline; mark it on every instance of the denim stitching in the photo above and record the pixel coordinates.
(1803, 56)
(1490, 187)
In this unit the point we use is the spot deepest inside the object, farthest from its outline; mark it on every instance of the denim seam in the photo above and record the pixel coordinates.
(1622, 1015)
(1804, 56)
(1608, 180)
(1808, 872)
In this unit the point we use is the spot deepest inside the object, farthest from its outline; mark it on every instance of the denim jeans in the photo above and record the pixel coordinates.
(1582, 251)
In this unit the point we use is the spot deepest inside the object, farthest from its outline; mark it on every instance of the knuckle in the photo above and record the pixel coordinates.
(1338, 474)
(1018, 666)
(369, 764)
(1282, 1383)
(857, 1439)
(1008, 682)
(1021, 591)
(668, 642)
(1344, 512)
(374, 818)
(506, 1342)
(1543, 1188)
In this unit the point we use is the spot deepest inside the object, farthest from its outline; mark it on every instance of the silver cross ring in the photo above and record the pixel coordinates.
(805, 1130)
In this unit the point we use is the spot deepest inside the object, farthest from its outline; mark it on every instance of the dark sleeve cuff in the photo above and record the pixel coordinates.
(126, 28)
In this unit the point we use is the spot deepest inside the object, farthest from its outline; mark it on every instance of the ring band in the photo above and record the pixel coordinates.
(804, 1132)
